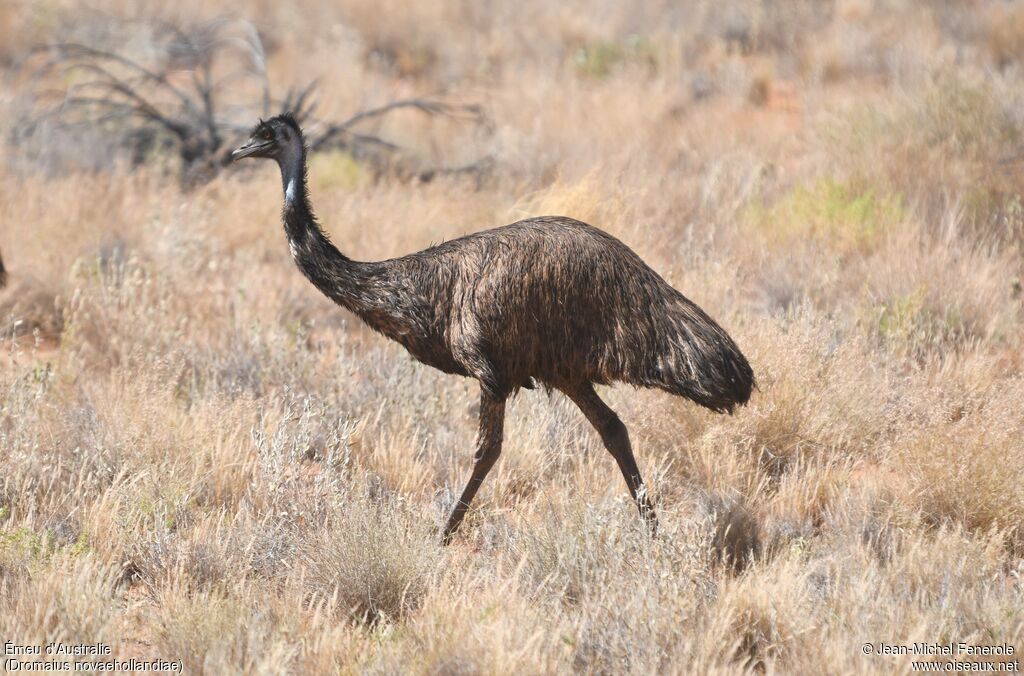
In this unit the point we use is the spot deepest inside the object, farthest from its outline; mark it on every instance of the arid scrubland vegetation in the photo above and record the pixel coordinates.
(204, 460)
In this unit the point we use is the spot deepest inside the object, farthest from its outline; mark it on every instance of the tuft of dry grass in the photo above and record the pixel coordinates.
(372, 560)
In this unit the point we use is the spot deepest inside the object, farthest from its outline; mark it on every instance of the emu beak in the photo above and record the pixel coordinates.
(247, 150)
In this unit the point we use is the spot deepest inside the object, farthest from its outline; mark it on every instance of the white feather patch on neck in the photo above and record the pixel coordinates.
(289, 192)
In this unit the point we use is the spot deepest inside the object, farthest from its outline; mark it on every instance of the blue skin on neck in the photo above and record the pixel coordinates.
(292, 163)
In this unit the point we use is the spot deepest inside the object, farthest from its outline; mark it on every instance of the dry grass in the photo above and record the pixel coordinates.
(206, 461)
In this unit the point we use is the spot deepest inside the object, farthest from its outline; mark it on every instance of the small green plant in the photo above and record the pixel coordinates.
(899, 317)
(912, 322)
(834, 212)
(24, 543)
(335, 169)
(600, 59)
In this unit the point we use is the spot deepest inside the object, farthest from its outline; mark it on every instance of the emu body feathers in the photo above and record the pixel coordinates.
(557, 301)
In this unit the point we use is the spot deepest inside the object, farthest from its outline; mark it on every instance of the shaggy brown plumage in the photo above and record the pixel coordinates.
(548, 299)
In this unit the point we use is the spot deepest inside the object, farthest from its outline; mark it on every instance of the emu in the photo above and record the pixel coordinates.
(545, 300)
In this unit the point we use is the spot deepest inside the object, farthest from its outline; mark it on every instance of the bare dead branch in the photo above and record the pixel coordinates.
(84, 53)
(203, 113)
(144, 107)
(426, 106)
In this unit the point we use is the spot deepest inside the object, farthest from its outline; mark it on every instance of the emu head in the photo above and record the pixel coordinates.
(279, 138)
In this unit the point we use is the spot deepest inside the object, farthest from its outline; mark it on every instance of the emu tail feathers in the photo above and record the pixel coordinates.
(702, 362)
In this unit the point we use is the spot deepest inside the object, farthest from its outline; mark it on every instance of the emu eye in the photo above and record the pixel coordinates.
(266, 135)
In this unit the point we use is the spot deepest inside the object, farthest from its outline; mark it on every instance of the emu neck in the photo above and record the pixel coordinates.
(299, 221)
(341, 279)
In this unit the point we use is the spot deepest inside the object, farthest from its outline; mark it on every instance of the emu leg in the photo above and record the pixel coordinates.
(492, 422)
(616, 440)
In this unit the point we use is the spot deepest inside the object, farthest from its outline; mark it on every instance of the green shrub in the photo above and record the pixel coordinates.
(600, 59)
(838, 214)
(335, 169)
